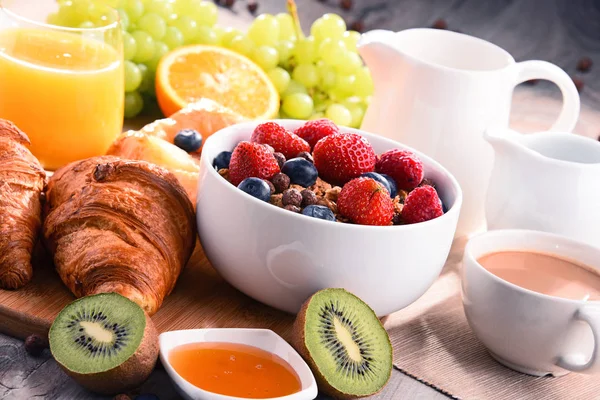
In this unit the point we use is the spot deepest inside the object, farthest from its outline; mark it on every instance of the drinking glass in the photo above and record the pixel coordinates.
(62, 85)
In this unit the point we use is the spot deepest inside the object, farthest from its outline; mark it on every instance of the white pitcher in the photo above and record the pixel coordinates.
(548, 181)
(438, 91)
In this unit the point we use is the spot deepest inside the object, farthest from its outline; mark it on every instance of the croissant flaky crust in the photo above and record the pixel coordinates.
(22, 181)
(122, 226)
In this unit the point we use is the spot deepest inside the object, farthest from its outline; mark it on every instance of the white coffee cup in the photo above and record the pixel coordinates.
(438, 91)
(527, 331)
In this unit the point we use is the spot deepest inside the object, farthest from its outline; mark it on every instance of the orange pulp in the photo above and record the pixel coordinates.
(64, 90)
(234, 369)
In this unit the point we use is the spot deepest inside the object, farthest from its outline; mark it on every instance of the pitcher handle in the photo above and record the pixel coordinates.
(589, 314)
(569, 114)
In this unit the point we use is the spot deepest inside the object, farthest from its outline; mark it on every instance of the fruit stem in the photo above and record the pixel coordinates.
(293, 10)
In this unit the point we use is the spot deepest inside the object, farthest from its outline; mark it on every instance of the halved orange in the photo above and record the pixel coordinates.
(191, 73)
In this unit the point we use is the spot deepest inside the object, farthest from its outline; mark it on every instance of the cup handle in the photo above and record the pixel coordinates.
(569, 114)
(591, 315)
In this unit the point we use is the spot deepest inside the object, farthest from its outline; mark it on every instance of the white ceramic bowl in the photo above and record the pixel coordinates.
(262, 338)
(280, 258)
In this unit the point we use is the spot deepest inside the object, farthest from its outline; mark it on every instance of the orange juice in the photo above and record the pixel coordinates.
(65, 90)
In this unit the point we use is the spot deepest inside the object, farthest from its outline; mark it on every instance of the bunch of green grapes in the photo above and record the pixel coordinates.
(151, 28)
(317, 76)
(320, 75)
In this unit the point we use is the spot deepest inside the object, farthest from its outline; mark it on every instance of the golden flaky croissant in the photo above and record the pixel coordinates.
(120, 226)
(22, 181)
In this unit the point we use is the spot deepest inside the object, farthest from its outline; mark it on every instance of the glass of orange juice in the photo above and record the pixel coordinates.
(63, 86)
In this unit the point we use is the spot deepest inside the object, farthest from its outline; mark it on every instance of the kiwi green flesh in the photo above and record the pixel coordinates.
(347, 343)
(97, 333)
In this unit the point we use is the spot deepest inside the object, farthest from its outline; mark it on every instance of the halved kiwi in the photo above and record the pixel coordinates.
(344, 343)
(106, 342)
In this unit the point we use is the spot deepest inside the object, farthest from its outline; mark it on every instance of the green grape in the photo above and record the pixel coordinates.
(282, 115)
(293, 88)
(54, 19)
(67, 15)
(357, 113)
(134, 103)
(86, 25)
(363, 85)
(206, 35)
(129, 46)
(286, 26)
(331, 51)
(306, 74)
(348, 63)
(160, 7)
(339, 114)
(228, 35)
(187, 26)
(85, 9)
(160, 49)
(317, 115)
(145, 47)
(185, 7)
(328, 26)
(153, 24)
(322, 101)
(173, 38)
(305, 51)
(124, 19)
(327, 76)
(219, 31)
(264, 30)
(134, 9)
(280, 78)
(298, 105)
(345, 83)
(265, 56)
(285, 48)
(242, 44)
(147, 79)
(133, 76)
(205, 13)
(350, 39)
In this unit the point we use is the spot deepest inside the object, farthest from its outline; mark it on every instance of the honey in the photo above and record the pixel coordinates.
(234, 369)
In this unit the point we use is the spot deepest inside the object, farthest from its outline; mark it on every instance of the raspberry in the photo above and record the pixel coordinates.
(422, 204)
(251, 160)
(365, 201)
(343, 156)
(280, 139)
(315, 130)
(403, 166)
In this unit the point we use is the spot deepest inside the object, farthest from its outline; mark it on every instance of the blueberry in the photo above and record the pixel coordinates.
(221, 161)
(385, 180)
(320, 212)
(300, 171)
(256, 187)
(188, 140)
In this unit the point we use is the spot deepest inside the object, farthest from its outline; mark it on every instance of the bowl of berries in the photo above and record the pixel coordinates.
(286, 208)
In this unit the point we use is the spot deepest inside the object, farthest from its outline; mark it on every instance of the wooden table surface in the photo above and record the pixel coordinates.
(560, 31)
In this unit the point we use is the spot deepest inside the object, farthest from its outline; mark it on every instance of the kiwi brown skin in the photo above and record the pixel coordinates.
(299, 343)
(129, 375)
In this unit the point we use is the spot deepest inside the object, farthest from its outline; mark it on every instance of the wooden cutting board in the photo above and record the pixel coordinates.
(202, 299)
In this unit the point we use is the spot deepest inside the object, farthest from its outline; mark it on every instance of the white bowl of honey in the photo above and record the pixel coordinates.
(232, 364)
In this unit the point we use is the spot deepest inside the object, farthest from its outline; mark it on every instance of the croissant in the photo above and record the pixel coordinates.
(116, 225)
(22, 181)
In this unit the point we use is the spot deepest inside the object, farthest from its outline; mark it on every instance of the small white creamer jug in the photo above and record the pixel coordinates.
(438, 91)
(547, 181)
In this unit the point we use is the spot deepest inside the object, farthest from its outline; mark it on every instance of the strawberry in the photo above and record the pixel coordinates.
(315, 130)
(343, 156)
(422, 204)
(403, 166)
(282, 140)
(366, 202)
(251, 160)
